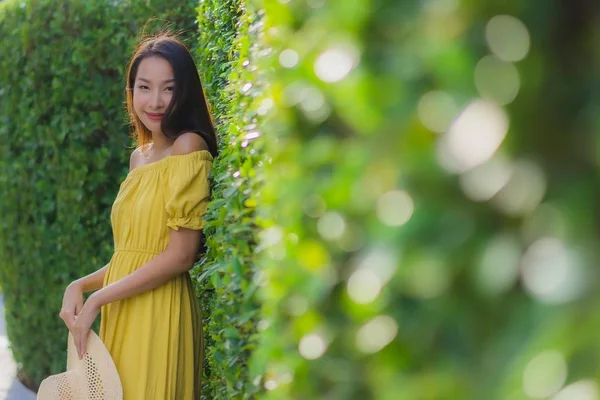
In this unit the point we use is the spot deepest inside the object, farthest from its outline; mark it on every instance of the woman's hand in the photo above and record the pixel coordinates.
(72, 304)
(83, 323)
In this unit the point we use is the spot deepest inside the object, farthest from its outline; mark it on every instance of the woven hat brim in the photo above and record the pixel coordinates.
(93, 377)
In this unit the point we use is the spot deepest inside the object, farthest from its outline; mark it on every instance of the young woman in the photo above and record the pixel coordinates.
(151, 321)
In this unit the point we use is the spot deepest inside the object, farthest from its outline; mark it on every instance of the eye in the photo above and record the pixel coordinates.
(143, 87)
(170, 88)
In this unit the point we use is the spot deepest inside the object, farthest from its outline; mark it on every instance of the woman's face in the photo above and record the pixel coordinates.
(152, 91)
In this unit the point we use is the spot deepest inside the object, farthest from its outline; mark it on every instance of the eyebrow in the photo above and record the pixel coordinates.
(165, 81)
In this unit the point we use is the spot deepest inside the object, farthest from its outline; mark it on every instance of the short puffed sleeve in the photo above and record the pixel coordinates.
(188, 189)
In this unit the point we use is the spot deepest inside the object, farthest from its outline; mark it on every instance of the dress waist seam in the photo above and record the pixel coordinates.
(132, 250)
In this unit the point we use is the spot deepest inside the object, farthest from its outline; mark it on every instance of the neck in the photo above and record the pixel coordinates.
(160, 142)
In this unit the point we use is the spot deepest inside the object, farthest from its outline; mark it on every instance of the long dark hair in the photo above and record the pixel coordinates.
(188, 110)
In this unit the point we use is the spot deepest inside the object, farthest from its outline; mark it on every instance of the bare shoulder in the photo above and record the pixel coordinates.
(188, 142)
(135, 157)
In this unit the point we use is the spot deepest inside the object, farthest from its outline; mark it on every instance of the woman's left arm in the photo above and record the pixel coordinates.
(178, 258)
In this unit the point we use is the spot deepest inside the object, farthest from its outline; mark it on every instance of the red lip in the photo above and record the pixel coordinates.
(155, 117)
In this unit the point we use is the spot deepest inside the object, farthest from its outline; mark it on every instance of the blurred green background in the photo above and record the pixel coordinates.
(406, 204)
(432, 200)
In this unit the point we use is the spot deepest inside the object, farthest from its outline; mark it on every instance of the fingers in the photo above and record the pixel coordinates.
(77, 337)
(80, 336)
(78, 344)
(76, 340)
(83, 345)
(68, 318)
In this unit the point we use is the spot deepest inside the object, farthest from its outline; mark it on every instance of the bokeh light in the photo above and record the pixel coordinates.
(372, 270)
(485, 181)
(265, 106)
(335, 64)
(297, 305)
(585, 389)
(376, 334)
(382, 261)
(288, 58)
(364, 286)
(262, 325)
(441, 7)
(436, 110)
(508, 38)
(271, 236)
(315, 3)
(550, 272)
(310, 100)
(497, 80)
(498, 268)
(271, 384)
(352, 239)
(312, 346)
(395, 208)
(545, 374)
(524, 191)
(331, 225)
(247, 86)
(473, 137)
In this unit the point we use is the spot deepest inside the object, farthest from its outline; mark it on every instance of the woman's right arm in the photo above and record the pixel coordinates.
(91, 282)
(95, 280)
(73, 297)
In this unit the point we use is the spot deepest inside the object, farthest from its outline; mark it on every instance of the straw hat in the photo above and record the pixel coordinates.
(94, 377)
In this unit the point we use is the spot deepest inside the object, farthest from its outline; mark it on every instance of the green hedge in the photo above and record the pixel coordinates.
(226, 284)
(64, 148)
(390, 273)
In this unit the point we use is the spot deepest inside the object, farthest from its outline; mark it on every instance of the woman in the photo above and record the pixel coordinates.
(151, 321)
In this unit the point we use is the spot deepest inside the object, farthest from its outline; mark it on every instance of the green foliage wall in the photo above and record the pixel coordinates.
(394, 271)
(226, 284)
(64, 148)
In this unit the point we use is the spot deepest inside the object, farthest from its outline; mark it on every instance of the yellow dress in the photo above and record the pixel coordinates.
(155, 338)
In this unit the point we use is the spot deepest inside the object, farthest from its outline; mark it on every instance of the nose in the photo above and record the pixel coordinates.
(157, 101)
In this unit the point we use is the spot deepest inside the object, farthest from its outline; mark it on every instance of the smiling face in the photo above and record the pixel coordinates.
(153, 91)
(159, 106)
